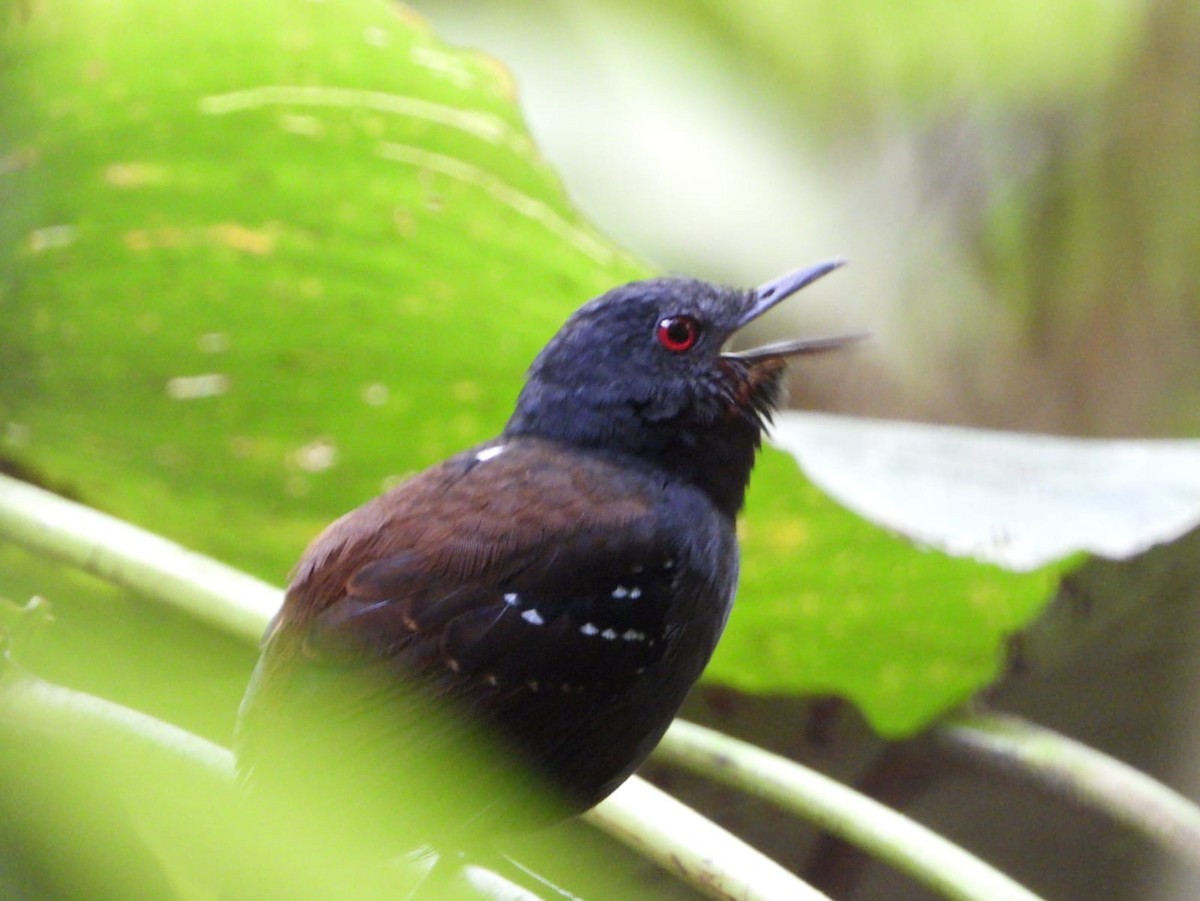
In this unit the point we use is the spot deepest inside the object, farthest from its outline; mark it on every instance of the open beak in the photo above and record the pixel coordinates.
(772, 293)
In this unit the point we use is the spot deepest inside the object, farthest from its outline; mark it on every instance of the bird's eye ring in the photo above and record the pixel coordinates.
(677, 333)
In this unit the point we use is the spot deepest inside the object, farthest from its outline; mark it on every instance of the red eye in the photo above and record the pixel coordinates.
(677, 333)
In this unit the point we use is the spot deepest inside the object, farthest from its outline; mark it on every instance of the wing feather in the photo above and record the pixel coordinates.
(502, 587)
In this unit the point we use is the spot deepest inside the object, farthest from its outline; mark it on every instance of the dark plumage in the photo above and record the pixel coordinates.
(540, 603)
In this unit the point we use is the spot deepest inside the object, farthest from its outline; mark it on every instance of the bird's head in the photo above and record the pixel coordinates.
(643, 370)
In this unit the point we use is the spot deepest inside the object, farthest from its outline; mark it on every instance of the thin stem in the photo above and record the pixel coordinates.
(174, 792)
(1082, 774)
(682, 842)
(885, 833)
(136, 559)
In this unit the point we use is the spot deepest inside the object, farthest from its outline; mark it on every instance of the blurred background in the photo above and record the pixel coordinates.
(259, 260)
(1015, 183)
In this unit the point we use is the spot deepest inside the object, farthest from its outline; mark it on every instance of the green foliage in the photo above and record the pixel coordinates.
(230, 190)
(833, 604)
(842, 58)
(265, 258)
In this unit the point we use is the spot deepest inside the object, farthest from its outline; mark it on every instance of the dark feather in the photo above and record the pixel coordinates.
(545, 647)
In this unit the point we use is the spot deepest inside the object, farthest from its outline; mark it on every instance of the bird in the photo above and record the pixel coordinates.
(500, 641)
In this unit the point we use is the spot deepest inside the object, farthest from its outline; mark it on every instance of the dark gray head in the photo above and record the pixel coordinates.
(640, 371)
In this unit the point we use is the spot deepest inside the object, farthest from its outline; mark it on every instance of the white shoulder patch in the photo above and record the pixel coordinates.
(489, 453)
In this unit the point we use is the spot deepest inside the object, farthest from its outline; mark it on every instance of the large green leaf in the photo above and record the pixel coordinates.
(337, 225)
(833, 604)
(263, 258)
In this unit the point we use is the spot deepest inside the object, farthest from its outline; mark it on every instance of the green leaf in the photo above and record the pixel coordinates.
(832, 604)
(267, 257)
(261, 260)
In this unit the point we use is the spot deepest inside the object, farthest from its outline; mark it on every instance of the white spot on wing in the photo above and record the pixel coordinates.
(635, 593)
(532, 617)
(589, 629)
(490, 453)
(512, 599)
(620, 591)
(633, 635)
(610, 634)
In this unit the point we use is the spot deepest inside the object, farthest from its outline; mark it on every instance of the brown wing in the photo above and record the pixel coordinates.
(531, 593)
(464, 537)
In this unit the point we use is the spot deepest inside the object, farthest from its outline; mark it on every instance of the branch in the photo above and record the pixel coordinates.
(166, 779)
(1081, 774)
(883, 832)
(83, 781)
(133, 558)
(682, 842)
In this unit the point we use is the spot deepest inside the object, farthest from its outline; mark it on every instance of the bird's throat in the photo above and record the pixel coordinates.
(715, 456)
